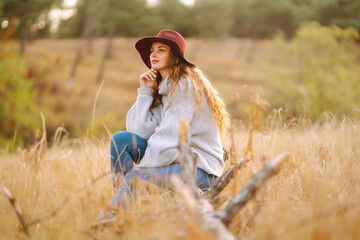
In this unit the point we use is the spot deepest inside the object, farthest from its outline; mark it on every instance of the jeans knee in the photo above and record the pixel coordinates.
(121, 137)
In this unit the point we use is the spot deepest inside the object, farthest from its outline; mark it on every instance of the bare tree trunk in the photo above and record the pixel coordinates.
(90, 44)
(106, 56)
(74, 66)
(22, 36)
(89, 25)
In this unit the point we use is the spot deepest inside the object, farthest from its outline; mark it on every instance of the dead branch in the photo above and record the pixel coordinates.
(25, 225)
(201, 209)
(224, 180)
(183, 191)
(51, 215)
(94, 180)
(187, 162)
(247, 193)
(17, 211)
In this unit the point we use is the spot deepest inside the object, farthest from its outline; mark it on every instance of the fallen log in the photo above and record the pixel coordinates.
(201, 207)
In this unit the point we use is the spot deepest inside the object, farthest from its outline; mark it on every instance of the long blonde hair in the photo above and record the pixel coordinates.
(178, 69)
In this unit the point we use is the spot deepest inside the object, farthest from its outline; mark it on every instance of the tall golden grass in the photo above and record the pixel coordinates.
(315, 195)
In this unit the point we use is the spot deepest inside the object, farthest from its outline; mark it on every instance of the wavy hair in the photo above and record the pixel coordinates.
(201, 85)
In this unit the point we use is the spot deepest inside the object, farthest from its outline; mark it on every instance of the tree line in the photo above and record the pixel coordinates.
(206, 18)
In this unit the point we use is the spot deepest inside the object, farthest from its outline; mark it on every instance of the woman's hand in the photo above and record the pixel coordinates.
(148, 79)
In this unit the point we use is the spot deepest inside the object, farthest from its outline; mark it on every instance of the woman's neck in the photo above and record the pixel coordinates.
(164, 73)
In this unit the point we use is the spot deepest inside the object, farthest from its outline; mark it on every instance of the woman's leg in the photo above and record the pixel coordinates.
(158, 176)
(125, 148)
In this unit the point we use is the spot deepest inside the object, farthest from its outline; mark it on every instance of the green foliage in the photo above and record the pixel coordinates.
(343, 13)
(211, 18)
(261, 18)
(29, 9)
(174, 15)
(122, 16)
(1, 7)
(326, 73)
(18, 111)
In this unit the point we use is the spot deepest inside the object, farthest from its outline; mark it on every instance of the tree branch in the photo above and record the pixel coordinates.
(224, 180)
(187, 162)
(17, 211)
(248, 192)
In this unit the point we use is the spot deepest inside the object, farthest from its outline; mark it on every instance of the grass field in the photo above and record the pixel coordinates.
(315, 195)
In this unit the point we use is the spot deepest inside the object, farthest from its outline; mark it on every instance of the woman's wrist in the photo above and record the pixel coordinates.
(144, 90)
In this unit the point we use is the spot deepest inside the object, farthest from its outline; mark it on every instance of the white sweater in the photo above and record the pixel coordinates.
(161, 128)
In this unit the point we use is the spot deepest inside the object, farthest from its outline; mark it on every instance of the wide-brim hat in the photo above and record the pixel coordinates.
(168, 37)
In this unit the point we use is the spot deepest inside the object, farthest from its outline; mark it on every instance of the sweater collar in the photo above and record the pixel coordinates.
(163, 86)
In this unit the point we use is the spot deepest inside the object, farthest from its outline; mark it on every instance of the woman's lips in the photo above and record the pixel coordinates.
(154, 61)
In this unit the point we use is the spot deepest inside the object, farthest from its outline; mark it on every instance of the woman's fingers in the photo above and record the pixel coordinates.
(148, 78)
(153, 72)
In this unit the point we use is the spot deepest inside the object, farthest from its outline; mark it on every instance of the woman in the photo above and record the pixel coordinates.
(172, 88)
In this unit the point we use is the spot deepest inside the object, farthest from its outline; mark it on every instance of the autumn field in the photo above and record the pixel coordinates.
(314, 196)
(306, 92)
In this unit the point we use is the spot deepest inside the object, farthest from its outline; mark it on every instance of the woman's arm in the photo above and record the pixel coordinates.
(139, 119)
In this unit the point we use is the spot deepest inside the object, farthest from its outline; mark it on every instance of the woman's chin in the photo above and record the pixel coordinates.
(154, 67)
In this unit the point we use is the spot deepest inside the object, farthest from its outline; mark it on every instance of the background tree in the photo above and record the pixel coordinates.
(343, 13)
(175, 15)
(211, 18)
(120, 17)
(27, 12)
(73, 26)
(262, 18)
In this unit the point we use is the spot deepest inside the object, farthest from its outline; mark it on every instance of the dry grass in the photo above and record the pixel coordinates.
(315, 196)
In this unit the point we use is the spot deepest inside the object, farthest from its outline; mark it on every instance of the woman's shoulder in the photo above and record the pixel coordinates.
(185, 84)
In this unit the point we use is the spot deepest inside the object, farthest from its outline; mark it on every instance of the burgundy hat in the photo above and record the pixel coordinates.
(169, 37)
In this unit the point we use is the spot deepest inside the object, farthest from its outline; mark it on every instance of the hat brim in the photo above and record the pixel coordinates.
(143, 46)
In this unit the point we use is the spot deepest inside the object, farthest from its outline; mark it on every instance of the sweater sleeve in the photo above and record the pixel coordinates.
(139, 119)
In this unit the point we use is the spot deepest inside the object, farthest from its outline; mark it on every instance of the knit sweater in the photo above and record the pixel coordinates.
(161, 128)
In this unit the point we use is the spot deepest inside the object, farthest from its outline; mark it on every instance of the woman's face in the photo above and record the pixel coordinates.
(160, 57)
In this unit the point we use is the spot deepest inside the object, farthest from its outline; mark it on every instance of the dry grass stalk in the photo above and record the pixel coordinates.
(39, 150)
(258, 106)
(57, 135)
(94, 105)
(340, 209)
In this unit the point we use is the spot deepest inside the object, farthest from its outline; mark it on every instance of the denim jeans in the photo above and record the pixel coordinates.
(126, 149)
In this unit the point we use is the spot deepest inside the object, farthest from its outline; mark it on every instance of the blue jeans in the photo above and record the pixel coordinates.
(126, 149)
